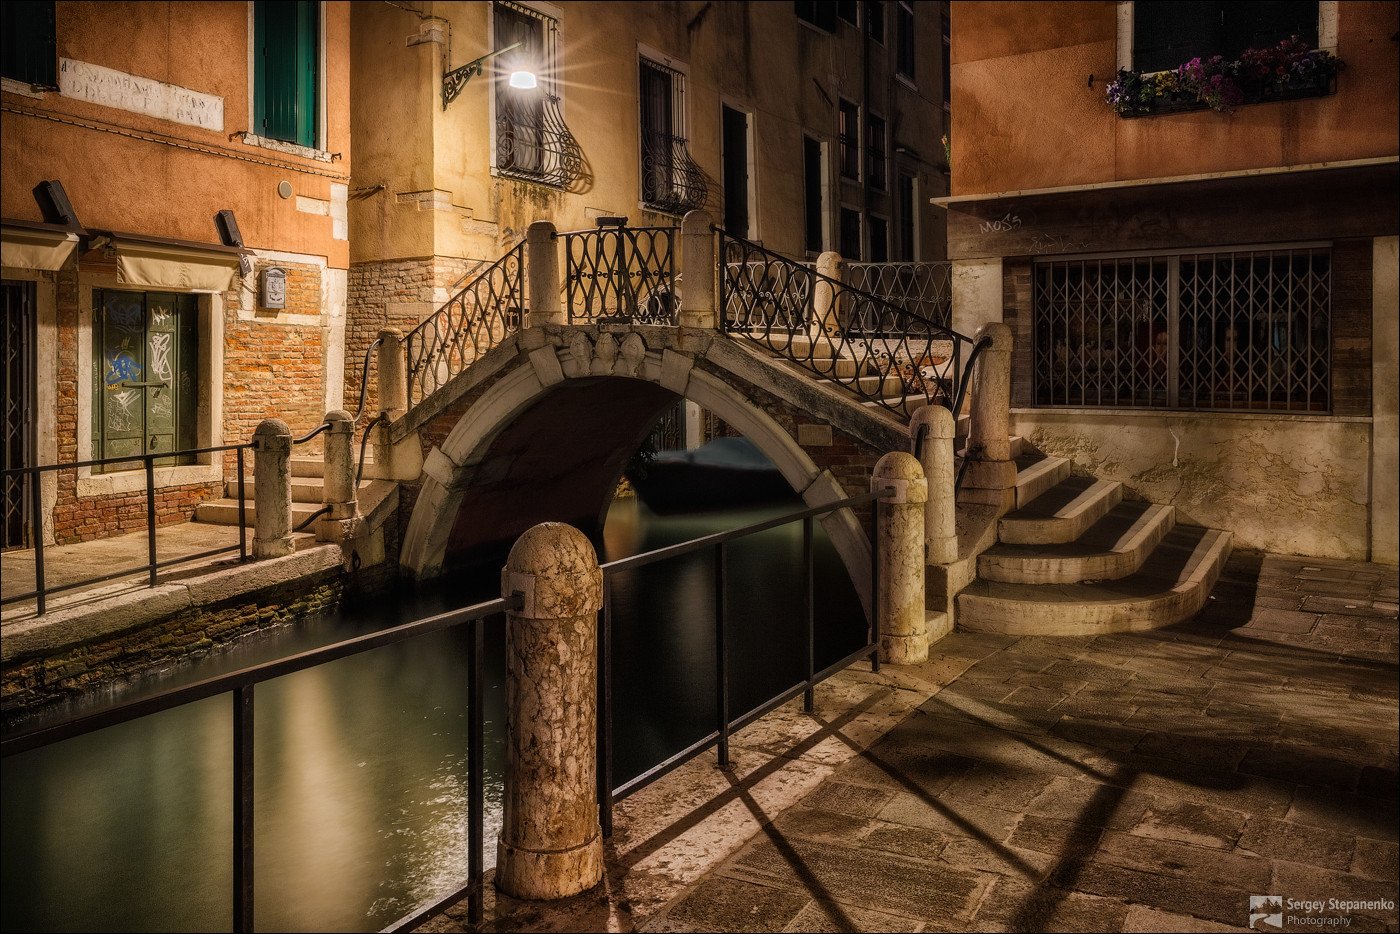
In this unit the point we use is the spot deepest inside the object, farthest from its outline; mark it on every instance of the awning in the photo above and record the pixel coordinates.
(33, 245)
(175, 265)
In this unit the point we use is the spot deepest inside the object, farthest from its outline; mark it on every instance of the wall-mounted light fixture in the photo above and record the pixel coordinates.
(456, 79)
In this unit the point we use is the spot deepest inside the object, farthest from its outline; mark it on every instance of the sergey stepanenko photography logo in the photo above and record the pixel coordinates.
(1272, 912)
(1265, 912)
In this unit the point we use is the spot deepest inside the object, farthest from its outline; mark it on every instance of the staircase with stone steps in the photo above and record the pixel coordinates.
(308, 490)
(1074, 558)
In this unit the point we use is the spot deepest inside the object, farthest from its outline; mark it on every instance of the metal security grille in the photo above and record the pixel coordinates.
(532, 140)
(20, 336)
(1246, 330)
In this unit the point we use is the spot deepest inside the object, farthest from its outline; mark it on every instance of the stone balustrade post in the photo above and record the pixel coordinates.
(393, 373)
(991, 473)
(551, 843)
(542, 263)
(826, 297)
(935, 455)
(899, 603)
(338, 478)
(697, 307)
(272, 489)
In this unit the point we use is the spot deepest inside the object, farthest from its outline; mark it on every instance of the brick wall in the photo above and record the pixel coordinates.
(371, 291)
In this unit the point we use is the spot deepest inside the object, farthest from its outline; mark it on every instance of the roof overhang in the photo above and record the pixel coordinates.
(35, 245)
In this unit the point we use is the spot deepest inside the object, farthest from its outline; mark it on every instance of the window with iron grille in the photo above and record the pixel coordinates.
(27, 47)
(286, 70)
(904, 39)
(21, 336)
(532, 140)
(1167, 33)
(146, 368)
(818, 13)
(848, 138)
(671, 181)
(875, 20)
(876, 160)
(1246, 330)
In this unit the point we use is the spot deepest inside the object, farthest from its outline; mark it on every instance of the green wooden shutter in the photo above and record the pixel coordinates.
(27, 44)
(287, 36)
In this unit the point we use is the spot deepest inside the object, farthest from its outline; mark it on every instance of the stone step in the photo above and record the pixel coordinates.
(1036, 473)
(886, 387)
(304, 489)
(225, 512)
(800, 346)
(1171, 586)
(903, 406)
(1062, 513)
(308, 466)
(1018, 444)
(1114, 547)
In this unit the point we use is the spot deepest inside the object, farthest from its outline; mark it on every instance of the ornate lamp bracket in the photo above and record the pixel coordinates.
(456, 79)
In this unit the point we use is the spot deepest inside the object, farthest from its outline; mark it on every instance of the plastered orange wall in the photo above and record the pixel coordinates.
(1025, 114)
(159, 188)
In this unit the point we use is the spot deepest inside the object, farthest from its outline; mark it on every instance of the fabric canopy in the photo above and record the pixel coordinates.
(174, 267)
(29, 247)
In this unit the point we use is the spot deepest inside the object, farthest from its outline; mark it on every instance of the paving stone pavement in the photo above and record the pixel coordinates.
(1140, 782)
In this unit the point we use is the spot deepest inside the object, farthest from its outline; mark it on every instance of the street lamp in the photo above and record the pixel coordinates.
(456, 79)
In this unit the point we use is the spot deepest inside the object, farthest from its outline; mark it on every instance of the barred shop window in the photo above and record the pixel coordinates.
(848, 138)
(145, 374)
(27, 46)
(818, 13)
(286, 76)
(1168, 33)
(1240, 331)
(876, 159)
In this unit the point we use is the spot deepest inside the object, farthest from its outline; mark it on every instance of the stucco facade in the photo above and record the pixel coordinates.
(1055, 194)
(147, 121)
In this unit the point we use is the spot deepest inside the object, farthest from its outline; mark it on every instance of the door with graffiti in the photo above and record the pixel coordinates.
(145, 361)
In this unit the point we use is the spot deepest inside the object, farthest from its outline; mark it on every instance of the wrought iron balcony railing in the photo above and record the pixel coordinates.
(534, 143)
(671, 180)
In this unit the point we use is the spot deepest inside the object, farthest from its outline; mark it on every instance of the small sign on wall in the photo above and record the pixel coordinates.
(272, 292)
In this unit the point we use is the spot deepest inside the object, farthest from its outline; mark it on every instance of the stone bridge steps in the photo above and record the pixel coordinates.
(225, 512)
(1113, 547)
(308, 494)
(1062, 513)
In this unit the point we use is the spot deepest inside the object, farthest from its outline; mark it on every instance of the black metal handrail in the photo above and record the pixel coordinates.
(41, 589)
(484, 313)
(890, 354)
(621, 274)
(241, 684)
(725, 721)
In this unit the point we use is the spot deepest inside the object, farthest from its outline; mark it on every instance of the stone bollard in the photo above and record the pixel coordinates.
(936, 457)
(826, 297)
(272, 489)
(551, 844)
(338, 481)
(393, 373)
(899, 605)
(542, 261)
(991, 473)
(698, 271)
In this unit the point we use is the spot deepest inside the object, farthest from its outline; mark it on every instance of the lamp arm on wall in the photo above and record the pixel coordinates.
(456, 79)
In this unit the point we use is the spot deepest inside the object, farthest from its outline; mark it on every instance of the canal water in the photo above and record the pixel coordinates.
(360, 764)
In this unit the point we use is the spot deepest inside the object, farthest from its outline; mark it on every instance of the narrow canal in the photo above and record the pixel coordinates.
(360, 764)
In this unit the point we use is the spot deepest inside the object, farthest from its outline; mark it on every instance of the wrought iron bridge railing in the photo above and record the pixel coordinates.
(485, 312)
(840, 331)
(621, 274)
(924, 289)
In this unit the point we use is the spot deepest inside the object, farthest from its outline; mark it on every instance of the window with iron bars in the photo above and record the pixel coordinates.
(875, 158)
(671, 180)
(532, 140)
(1243, 330)
(848, 138)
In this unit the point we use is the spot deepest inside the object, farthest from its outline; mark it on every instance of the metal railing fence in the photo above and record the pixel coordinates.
(615, 275)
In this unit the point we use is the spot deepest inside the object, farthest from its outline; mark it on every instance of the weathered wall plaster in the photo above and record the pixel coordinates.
(1288, 485)
(1385, 313)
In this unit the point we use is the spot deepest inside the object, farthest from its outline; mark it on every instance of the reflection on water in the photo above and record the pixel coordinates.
(360, 764)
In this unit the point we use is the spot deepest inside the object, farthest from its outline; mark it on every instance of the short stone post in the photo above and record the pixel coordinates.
(551, 844)
(936, 457)
(991, 473)
(826, 297)
(393, 373)
(338, 480)
(698, 271)
(272, 489)
(899, 604)
(542, 258)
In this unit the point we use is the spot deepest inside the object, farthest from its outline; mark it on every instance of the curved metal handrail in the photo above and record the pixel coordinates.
(887, 350)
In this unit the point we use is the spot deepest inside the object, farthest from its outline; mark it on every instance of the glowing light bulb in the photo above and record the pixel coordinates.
(524, 80)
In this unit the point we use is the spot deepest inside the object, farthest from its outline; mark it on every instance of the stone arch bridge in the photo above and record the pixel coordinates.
(541, 426)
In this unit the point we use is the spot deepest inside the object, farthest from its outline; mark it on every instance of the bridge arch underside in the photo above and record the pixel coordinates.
(557, 454)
